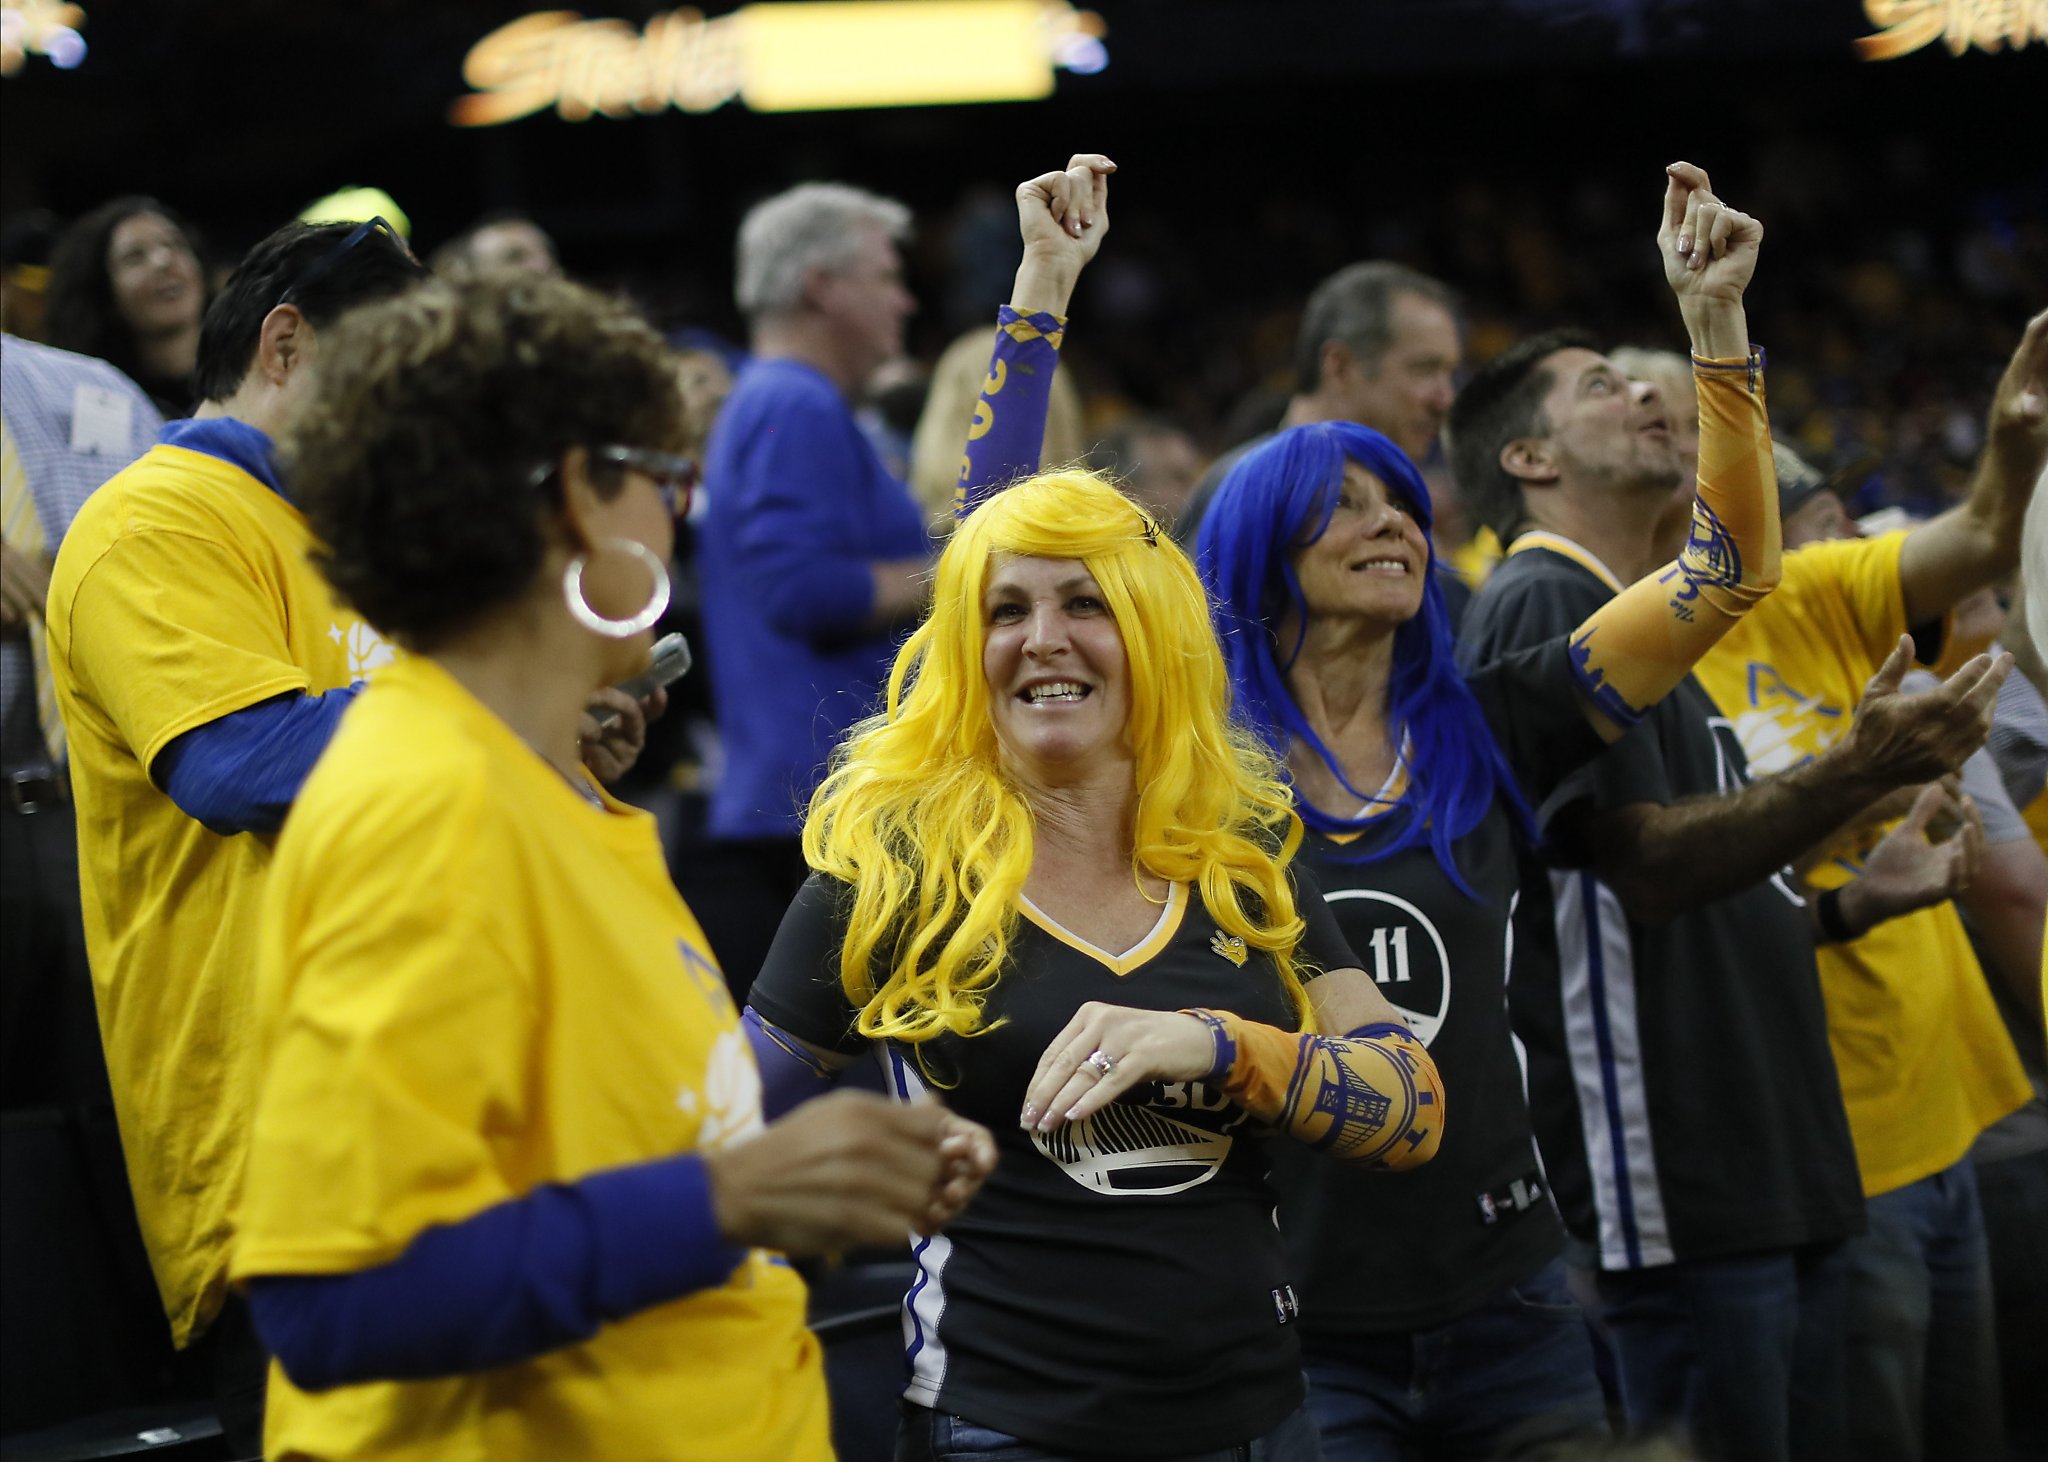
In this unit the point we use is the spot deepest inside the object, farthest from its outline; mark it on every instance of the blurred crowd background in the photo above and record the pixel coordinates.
(1511, 148)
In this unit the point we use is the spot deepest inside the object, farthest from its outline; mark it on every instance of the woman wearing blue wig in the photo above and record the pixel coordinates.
(1432, 1307)
(1434, 1311)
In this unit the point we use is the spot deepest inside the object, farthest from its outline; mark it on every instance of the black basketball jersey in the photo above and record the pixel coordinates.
(1118, 1286)
(1685, 1093)
(1403, 1251)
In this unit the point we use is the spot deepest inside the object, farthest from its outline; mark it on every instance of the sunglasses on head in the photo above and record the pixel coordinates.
(323, 266)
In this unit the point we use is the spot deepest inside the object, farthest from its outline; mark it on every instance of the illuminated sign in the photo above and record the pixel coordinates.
(41, 28)
(778, 58)
(1905, 26)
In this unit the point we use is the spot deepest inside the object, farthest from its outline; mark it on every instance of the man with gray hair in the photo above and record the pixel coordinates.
(1379, 346)
(811, 553)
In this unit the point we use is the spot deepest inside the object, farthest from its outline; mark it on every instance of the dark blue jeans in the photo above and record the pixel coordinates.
(1744, 1354)
(937, 1436)
(2015, 1198)
(1515, 1371)
(1923, 1360)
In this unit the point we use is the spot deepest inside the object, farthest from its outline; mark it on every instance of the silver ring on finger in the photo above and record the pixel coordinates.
(1101, 1063)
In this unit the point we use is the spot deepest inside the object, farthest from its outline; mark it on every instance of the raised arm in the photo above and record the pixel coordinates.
(1978, 541)
(1062, 217)
(1642, 643)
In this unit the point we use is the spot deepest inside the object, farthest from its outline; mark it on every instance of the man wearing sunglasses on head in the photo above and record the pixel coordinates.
(202, 664)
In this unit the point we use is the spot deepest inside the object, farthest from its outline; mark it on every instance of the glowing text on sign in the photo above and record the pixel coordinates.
(1905, 26)
(778, 57)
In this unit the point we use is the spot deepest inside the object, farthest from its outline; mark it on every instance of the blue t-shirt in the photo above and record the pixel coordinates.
(798, 506)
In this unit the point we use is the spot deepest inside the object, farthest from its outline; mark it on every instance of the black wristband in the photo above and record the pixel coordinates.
(1828, 909)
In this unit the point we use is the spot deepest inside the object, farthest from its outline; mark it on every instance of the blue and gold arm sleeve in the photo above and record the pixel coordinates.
(1643, 642)
(1371, 1098)
(1007, 436)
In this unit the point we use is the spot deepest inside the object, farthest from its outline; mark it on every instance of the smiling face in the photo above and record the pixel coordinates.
(1371, 562)
(154, 275)
(1606, 430)
(1058, 677)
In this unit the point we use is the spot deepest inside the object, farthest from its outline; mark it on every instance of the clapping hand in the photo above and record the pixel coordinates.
(1926, 859)
(1062, 217)
(1898, 739)
(2018, 427)
(848, 1170)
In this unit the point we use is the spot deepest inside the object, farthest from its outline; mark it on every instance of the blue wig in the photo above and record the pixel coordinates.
(1279, 497)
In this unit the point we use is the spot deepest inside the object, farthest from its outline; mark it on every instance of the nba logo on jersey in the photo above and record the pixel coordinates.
(1286, 1308)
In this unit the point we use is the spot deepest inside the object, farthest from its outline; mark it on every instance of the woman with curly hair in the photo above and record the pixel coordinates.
(508, 1192)
(127, 285)
(1054, 884)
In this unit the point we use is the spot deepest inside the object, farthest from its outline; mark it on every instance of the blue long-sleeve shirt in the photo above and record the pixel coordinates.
(241, 772)
(517, 1280)
(798, 507)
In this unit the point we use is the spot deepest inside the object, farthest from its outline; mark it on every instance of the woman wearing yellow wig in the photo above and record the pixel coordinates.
(1053, 881)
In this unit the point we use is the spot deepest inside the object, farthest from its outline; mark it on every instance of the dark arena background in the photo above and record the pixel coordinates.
(1896, 152)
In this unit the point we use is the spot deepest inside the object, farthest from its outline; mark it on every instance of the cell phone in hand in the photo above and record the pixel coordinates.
(671, 663)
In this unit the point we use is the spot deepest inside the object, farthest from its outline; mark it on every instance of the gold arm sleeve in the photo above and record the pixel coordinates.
(1372, 1098)
(1643, 642)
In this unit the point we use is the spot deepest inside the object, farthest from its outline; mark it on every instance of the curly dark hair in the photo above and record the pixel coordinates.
(414, 456)
(81, 313)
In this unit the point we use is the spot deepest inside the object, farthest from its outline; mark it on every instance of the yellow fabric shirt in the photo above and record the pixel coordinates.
(472, 983)
(1924, 1061)
(2036, 816)
(182, 593)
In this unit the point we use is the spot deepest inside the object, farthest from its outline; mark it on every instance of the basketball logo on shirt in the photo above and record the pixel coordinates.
(731, 1098)
(366, 648)
(1402, 951)
(1140, 1151)
(1784, 729)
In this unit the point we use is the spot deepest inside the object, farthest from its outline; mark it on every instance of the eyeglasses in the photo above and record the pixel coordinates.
(323, 266)
(674, 476)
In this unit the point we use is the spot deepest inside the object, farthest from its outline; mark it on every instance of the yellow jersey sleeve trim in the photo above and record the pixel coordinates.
(1558, 544)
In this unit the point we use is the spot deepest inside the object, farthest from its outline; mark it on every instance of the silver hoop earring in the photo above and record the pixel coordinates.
(616, 629)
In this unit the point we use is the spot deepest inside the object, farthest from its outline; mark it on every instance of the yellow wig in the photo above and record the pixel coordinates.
(935, 841)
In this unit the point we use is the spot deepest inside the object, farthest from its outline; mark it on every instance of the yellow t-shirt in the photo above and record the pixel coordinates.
(1924, 1061)
(182, 592)
(471, 982)
(2036, 816)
